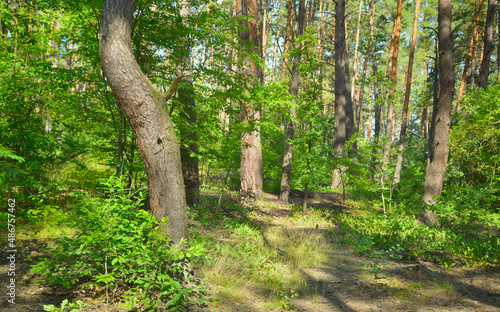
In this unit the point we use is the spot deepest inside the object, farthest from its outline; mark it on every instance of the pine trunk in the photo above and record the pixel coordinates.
(290, 129)
(251, 151)
(441, 118)
(394, 79)
(472, 49)
(488, 45)
(406, 104)
(343, 123)
(147, 113)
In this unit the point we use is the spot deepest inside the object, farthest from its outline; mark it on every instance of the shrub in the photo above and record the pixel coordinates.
(118, 245)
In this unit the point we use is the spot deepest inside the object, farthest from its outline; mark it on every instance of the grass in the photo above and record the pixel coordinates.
(271, 256)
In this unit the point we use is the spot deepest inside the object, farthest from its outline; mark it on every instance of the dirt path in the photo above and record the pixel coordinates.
(344, 283)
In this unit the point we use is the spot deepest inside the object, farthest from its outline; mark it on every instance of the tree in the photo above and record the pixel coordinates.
(441, 116)
(290, 127)
(147, 113)
(488, 45)
(188, 134)
(472, 49)
(404, 119)
(343, 123)
(251, 150)
(396, 32)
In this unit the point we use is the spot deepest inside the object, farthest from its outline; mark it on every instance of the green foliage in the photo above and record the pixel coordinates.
(286, 297)
(118, 245)
(399, 235)
(473, 175)
(66, 306)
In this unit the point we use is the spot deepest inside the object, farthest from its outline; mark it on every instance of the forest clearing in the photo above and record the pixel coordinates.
(245, 155)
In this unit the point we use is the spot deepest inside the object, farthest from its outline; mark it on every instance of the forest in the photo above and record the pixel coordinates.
(245, 155)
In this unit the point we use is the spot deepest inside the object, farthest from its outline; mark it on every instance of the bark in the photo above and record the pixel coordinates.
(189, 136)
(378, 107)
(290, 129)
(423, 118)
(343, 122)
(354, 86)
(360, 93)
(404, 118)
(394, 79)
(146, 111)
(276, 46)
(488, 45)
(264, 38)
(440, 127)
(288, 36)
(251, 150)
(472, 49)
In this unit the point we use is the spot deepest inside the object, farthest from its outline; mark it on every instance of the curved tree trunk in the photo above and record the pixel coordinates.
(441, 117)
(146, 111)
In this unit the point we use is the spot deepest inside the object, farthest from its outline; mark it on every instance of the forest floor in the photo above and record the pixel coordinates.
(316, 270)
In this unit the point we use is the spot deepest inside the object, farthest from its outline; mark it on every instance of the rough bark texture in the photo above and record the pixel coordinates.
(290, 129)
(404, 118)
(251, 150)
(342, 90)
(441, 118)
(394, 79)
(146, 111)
(488, 45)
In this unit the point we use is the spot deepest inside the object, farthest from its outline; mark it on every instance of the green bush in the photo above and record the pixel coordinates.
(117, 246)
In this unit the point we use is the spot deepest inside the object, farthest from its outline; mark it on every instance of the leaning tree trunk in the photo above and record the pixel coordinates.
(488, 45)
(147, 113)
(404, 119)
(251, 150)
(441, 118)
(290, 127)
(342, 120)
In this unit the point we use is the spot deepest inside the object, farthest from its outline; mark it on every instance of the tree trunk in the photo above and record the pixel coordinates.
(288, 36)
(354, 86)
(472, 49)
(394, 79)
(251, 150)
(441, 118)
(276, 46)
(343, 123)
(488, 45)
(404, 118)
(264, 38)
(147, 113)
(189, 136)
(359, 96)
(290, 129)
